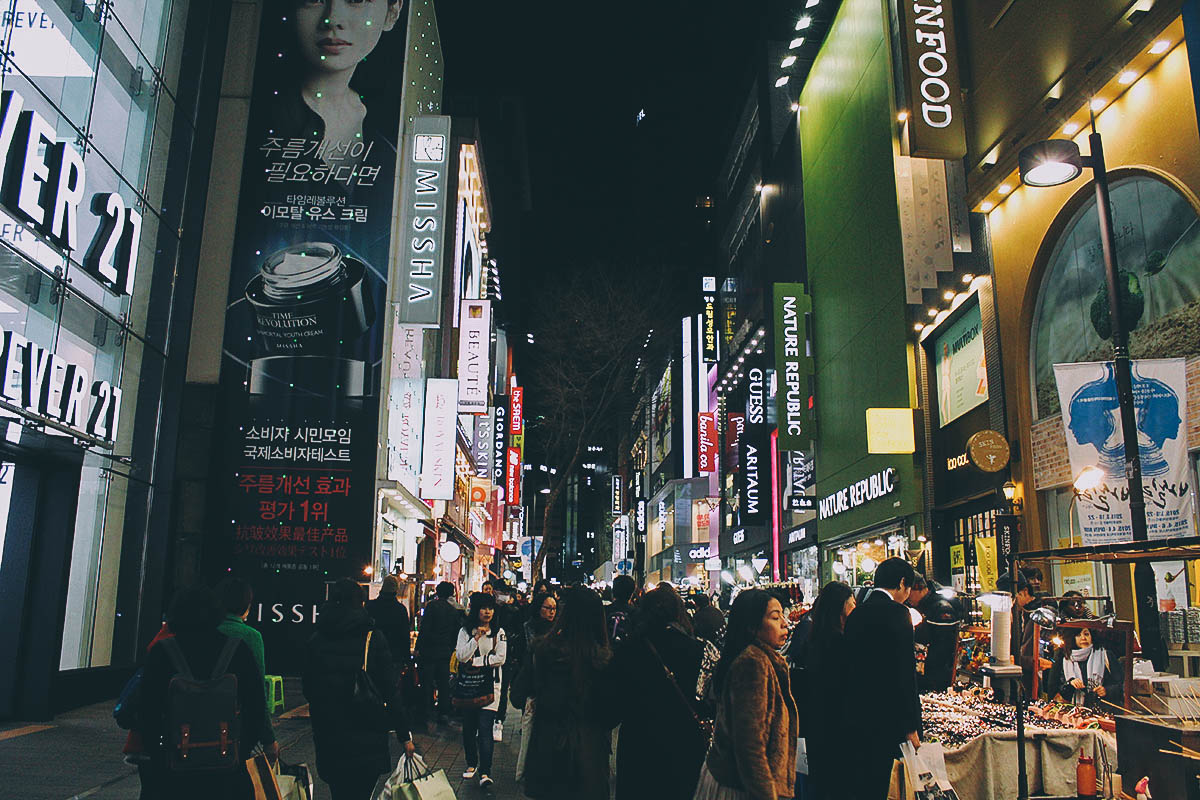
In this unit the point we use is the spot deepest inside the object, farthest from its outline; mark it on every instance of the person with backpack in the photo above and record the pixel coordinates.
(618, 615)
(481, 650)
(391, 617)
(202, 710)
(236, 596)
(665, 725)
(436, 636)
(352, 751)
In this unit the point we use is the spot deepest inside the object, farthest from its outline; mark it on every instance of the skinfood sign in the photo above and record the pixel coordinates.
(37, 381)
(935, 120)
(880, 484)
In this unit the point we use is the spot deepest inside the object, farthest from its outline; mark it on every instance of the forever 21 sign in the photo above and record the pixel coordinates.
(46, 187)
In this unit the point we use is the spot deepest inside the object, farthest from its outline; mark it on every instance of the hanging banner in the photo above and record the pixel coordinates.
(423, 220)
(986, 558)
(793, 366)
(1092, 423)
(406, 406)
(481, 445)
(474, 356)
(706, 434)
(301, 365)
(754, 464)
(512, 477)
(441, 433)
(709, 335)
(499, 433)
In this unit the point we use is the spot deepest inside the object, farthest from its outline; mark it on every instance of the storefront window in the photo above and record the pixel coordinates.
(1158, 245)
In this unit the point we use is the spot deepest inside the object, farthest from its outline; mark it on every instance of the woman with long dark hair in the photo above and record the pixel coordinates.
(482, 647)
(660, 669)
(826, 667)
(753, 754)
(566, 676)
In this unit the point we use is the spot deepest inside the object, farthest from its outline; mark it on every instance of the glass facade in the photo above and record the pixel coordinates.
(105, 77)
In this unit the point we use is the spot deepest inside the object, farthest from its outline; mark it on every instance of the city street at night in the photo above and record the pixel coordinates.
(688, 400)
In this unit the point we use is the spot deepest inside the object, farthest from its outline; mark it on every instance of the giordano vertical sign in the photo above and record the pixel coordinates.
(930, 65)
(424, 219)
(793, 366)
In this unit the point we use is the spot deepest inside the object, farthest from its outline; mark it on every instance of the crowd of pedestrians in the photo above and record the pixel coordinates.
(696, 702)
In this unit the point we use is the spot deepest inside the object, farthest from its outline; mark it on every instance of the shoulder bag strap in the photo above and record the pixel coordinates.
(674, 684)
(222, 665)
(366, 650)
(177, 659)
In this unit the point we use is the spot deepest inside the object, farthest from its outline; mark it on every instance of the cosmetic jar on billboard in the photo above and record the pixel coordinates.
(308, 299)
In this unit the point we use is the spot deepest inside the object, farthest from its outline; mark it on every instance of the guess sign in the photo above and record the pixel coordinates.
(45, 183)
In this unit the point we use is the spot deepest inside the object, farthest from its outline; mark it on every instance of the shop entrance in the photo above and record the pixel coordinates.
(39, 490)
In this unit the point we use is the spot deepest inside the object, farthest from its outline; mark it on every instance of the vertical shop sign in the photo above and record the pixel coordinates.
(516, 422)
(709, 335)
(929, 63)
(406, 405)
(441, 434)
(986, 559)
(304, 329)
(793, 366)
(618, 496)
(499, 433)
(1091, 421)
(706, 434)
(474, 349)
(481, 447)
(423, 220)
(512, 477)
(754, 468)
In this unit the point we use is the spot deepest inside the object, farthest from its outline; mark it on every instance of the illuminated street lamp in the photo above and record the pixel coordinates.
(1051, 163)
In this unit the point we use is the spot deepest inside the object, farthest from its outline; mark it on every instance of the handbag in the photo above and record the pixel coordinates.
(703, 726)
(475, 687)
(295, 781)
(367, 704)
(413, 780)
(262, 778)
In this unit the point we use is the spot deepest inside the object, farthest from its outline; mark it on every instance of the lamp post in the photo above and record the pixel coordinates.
(1051, 163)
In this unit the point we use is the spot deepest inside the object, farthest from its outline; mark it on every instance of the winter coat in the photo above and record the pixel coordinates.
(519, 644)
(201, 650)
(391, 618)
(754, 743)
(570, 740)
(1057, 684)
(660, 748)
(438, 630)
(487, 653)
(826, 730)
(346, 750)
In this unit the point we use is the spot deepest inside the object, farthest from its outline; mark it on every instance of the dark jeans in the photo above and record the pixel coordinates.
(873, 771)
(435, 674)
(359, 787)
(504, 683)
(477, 738)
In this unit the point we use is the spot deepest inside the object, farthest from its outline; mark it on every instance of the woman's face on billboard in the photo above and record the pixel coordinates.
(335, 35)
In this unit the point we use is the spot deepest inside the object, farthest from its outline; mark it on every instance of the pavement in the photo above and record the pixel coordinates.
(78, 755)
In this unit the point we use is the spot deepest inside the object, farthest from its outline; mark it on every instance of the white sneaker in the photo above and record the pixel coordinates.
(470, 773)
(484, 781)
(498, 731)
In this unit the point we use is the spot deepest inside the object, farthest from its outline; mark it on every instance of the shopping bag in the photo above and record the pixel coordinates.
(433, 786)
(262, 778)
(928, 782)
(295, 781)
(413, 780)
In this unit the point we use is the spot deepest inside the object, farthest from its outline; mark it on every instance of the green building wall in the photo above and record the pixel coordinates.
(855, 265)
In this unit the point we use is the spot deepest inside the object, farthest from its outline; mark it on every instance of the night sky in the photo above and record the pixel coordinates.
(602, 186)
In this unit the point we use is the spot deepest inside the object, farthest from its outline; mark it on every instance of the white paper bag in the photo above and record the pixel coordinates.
(926, 771)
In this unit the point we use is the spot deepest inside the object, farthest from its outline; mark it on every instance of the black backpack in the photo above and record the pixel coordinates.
(203, 718)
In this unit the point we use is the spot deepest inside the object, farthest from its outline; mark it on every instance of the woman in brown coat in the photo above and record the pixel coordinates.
(753, 754)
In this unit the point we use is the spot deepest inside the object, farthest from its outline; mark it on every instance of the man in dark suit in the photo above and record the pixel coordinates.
(879, 639)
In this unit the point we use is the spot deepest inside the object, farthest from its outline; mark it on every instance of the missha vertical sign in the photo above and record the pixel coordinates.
(793, 366)
(474, 363)
(423, 220)
(929, 62)
(301, 365)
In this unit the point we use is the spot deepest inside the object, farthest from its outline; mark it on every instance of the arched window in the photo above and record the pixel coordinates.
(1158, 254)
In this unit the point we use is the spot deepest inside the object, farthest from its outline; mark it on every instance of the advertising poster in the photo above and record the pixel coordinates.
(1092, 423)
(306, 309)
(1170, 577)
(962, 382)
